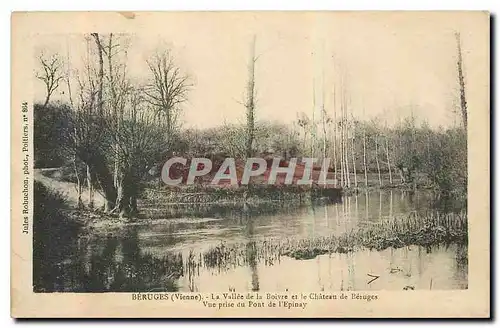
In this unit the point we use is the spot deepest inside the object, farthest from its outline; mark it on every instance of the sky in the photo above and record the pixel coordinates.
(392, 64)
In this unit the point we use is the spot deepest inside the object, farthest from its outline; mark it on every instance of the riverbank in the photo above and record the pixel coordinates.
(179, 245)
(430, 230)
(207, 197)
(155, 192)
(249, 194)
(201, 201)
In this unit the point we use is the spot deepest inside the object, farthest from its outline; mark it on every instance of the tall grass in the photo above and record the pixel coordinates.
(431, 229)
(428, 230)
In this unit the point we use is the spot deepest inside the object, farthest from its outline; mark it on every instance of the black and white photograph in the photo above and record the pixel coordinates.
(232, 153)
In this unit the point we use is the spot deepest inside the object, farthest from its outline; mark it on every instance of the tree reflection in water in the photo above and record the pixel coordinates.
(113, 263)
(66, 258)
(251, 248)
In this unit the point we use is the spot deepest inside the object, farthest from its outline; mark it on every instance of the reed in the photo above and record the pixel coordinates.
(428, 230)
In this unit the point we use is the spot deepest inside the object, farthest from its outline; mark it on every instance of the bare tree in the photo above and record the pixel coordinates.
(353, 152)
(353, 127)
(345, 133)
(335, 132)
(139, 147)
(82, 136)
(313, 121)
(250, 100)
(117, 87)
(93, 127)
(364, 151)
(100, 82)
(115, 128)
(341, 144)
(100, 78)
(79, 187)
(461, 81)
(377, 160)
(168, 87)
(388, 158)
(51, 74)
(325, 120)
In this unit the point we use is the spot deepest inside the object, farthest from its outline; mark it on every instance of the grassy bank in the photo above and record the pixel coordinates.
(222, 210)
(432, 229)
(61, 234)
(251, 194)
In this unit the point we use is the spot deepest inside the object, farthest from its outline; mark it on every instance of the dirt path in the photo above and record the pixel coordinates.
(67, 189)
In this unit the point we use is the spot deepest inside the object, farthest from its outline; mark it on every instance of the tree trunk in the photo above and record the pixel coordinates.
(346, 157)
(68, 84)
(367, 204)
(46, 102)
(250, 103)
(313, 124)
(388, 160)
(105, 180)
(123, 200)
(364, 157)
(461, 81)
(100, 76)
(323, 112)
(324, 133)
(347, 170)
(342, 163)
(345, 135)
(126, 202)
(90, 186)
(78, 184)
(334, 137)
(114, 109)
(378, 163)
(390, 205)
(346, 148)
(380, 205)
(354, 163)
(401, 174)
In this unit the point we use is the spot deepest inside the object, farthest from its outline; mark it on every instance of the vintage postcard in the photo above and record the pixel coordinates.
(250, 164)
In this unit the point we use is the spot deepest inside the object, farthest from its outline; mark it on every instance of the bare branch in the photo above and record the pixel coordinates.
(168, 86)
(51, 74)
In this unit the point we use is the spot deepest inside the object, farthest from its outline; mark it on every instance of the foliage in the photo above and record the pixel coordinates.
(51, 126)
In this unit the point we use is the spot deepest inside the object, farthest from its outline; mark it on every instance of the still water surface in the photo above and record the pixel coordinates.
(153, 257)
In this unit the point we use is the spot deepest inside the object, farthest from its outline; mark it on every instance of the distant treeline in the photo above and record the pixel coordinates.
(406, 150)
(403, 151)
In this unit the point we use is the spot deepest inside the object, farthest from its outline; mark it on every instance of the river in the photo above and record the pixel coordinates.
(170, 254)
